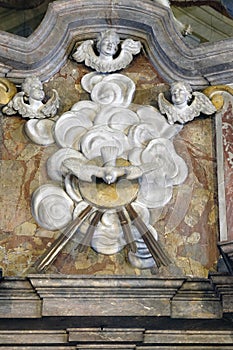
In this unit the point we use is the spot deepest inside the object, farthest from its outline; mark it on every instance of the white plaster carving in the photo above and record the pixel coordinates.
(94, 136)
(169, 170)
(186, 104)
(114, 89)
(40, 131)
(52, 207)
(55, 168)
(107, 47)
(70, 128)
(108, 238)
(142, 258)
(110, 172)
(29, 104)
(118, 118)
(98, 137)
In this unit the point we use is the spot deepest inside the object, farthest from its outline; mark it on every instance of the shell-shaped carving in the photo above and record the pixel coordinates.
(54, 163)
(40, 131)
(98, 137)
(116, 117)
(71, 126)
(52, 208)
(126, 85)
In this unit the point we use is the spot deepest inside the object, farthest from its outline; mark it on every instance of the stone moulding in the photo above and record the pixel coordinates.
(69, 22)
(67, 296)
(116, 338)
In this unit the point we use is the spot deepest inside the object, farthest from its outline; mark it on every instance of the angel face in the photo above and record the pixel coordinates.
(180, 95)
(108, 47)
(33, 88)
(108, 43)
(37, 92)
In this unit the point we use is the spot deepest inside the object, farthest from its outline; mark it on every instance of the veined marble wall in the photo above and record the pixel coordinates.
(227, 128)
(187, 225)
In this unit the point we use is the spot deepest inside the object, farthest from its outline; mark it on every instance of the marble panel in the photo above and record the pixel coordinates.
(189, 337)
(227, 128)
(106, 335)
(33, 337)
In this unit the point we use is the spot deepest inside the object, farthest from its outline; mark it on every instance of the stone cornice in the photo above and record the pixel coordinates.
(69, 22)
(66, 296)
(77, 312)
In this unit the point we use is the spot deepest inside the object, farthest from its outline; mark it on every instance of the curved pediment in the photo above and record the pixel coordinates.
(69, 22)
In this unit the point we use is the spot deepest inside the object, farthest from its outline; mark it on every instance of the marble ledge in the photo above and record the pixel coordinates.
(33, 337)
(115, 335)
(55, 295)
(115, 339)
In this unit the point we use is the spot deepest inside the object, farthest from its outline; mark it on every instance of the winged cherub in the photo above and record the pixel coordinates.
(186, 104)
(29, 102)
(107, 45)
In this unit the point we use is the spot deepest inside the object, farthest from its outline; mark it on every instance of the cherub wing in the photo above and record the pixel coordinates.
(202, 104)
(83, 171)
(84, 51)
(8, 109)
(167, 108)
(51, 106)
(129, 48)
(16, 105)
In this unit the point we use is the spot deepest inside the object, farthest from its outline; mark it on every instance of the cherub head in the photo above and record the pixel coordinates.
(33, 88)
(107, 43)
(181, 93)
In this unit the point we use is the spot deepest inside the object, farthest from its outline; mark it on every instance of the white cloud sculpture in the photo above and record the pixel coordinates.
(109, 131)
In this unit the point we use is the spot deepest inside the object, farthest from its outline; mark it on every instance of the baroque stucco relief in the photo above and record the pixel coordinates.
(148, 133)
